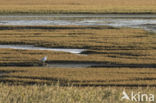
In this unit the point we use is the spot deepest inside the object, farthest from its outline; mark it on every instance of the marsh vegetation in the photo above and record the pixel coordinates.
(73, 6)
(124, 47)
(123, 58)
(57, 94)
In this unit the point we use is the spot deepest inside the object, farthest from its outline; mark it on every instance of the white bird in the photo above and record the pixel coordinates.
(44, 59)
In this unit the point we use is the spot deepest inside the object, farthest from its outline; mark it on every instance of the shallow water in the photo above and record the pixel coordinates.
(31, 47)
(72, 65)
(146, 21)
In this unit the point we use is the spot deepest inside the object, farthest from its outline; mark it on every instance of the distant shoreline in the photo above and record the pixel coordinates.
(73, 13)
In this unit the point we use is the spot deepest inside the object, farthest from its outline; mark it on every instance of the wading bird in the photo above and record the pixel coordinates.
(43, 60)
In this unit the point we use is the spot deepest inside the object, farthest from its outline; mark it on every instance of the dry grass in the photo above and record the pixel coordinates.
(74, 6)
(56, 94)
(127, 77)
(78, 37)
(104, 44)
(109, 46)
